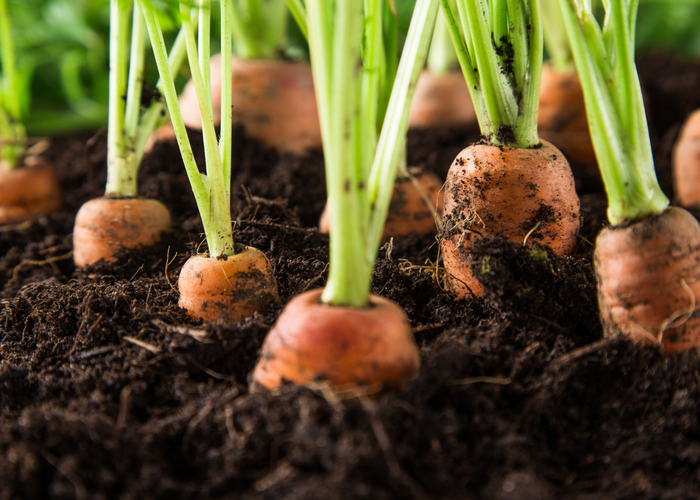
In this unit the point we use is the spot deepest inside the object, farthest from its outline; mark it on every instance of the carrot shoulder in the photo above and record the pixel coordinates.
(28, 191)
(524, 194)
(227, 289)
(371, 346)
(686, 162)
(106, 226)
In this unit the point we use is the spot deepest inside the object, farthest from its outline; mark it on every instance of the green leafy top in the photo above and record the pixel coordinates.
(499, 47)
(614, 106)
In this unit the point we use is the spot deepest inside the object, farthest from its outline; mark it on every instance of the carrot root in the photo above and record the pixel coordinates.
(228, 290)
(526, 195)
(649, 280)
(686, 163)
(106, 226)
(312, 341)
(28, 191)
(441, 100)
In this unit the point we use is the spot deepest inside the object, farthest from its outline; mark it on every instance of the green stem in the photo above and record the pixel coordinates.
(391, 148)
(348, 233)
(259, 28)
(617, 121)
(117, 150)
(442, 56)
(12, 129)
(296, 7)
(555, 40)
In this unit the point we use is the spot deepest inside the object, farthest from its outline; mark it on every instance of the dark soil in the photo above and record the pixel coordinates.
(107, 390)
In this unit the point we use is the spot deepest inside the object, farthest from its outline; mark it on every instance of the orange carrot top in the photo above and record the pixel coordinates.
(499, 47)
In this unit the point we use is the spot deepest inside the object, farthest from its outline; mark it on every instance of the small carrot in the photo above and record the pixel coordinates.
(343, 335)
(28, 191)
(648, 262)
(230, 288)
(686, 162)
(275, 103)
(106, 226)
(415, 202)
(512, 183)
(121, 220)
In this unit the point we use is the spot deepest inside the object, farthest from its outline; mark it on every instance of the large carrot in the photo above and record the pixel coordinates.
(686, 162)
(28, 186)
(231, 282)
(647, 261)
(121, 220)
(342, 335)
(512, 183)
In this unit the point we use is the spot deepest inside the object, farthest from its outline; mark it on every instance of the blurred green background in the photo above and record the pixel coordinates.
(63, 53)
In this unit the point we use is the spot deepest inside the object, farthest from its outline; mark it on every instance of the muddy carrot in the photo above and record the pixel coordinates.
(686, 162)
(512, 183)
(231, 282)
(647, 261)
(342, 334)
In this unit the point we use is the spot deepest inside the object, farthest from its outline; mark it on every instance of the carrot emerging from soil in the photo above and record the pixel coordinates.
(227, 289)
(686, 162)
(562, 115)
(371, 346)
(524, 194)
(106, 226)
(412, 209)
(274, 101)
(648, 262)
(649, 277)
(28, 191)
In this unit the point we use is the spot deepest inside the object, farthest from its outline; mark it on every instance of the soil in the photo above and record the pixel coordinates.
(108, 390)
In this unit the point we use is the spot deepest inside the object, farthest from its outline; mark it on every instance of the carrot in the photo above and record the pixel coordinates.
(520, 193)
(274, 101)
(649, 278)
(512, 184)
(343, 335)
(106, 226)
(28, 191)
(235, 282)
(415, 201)
(227, 289)
(686, 162)
(648, 262)
(441, 100)
(562, 115)
(371, 346)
